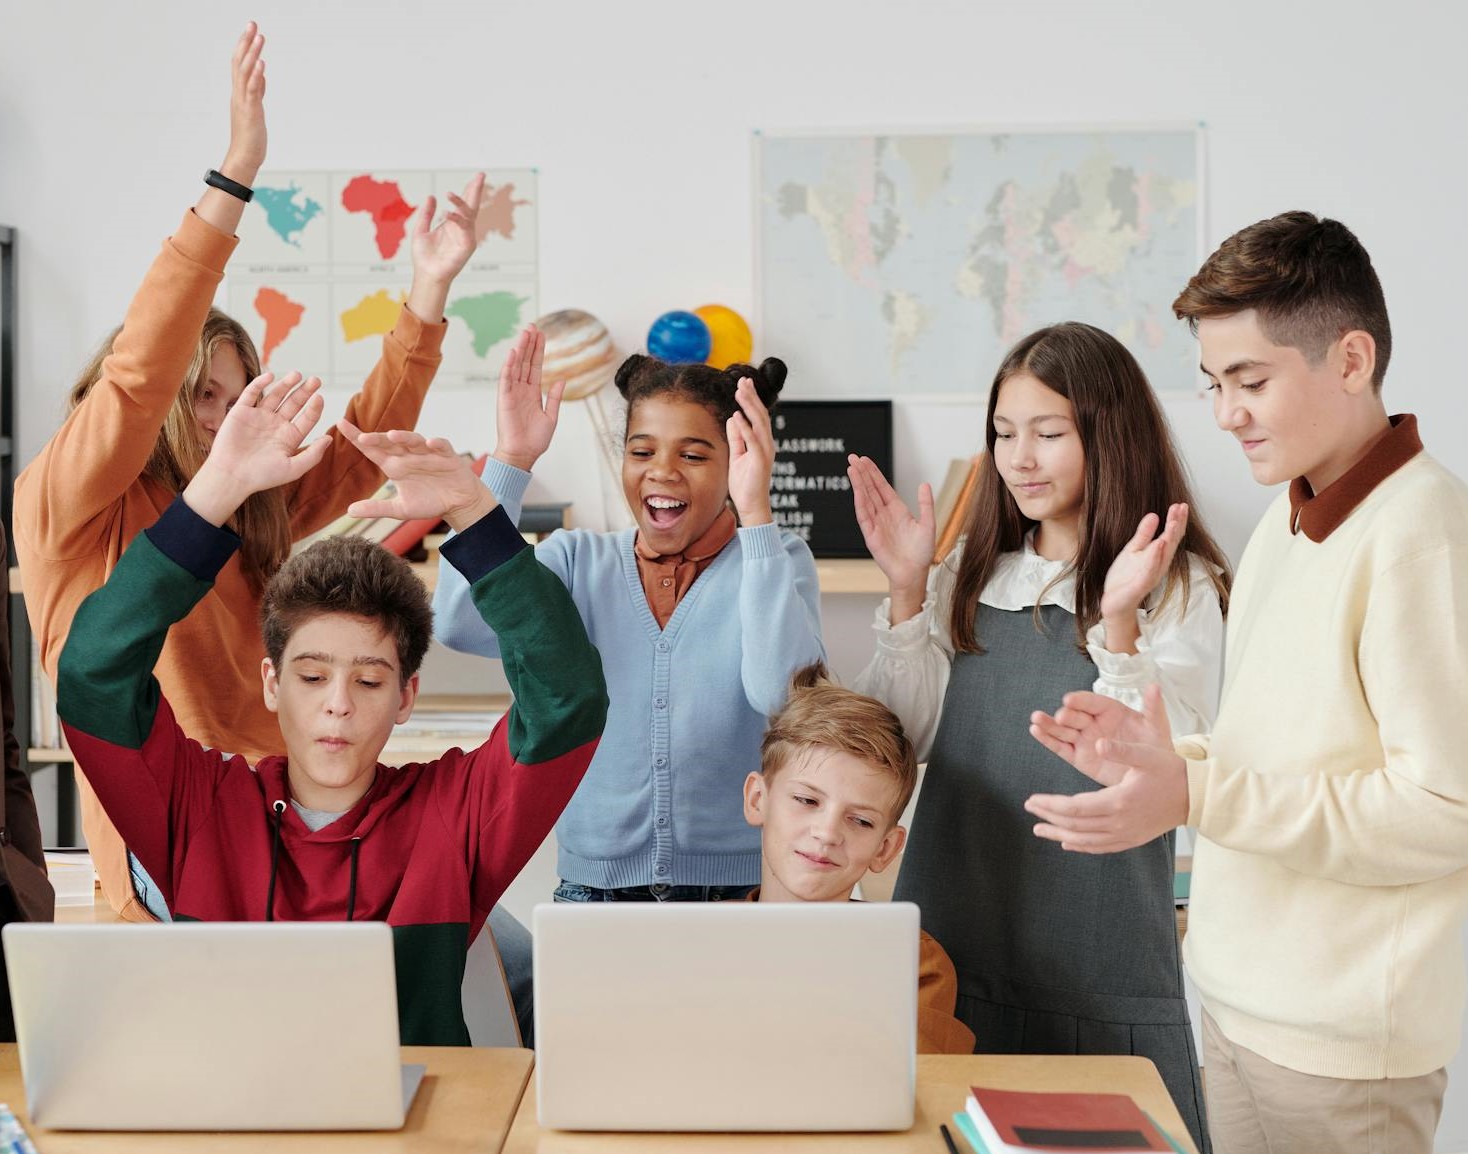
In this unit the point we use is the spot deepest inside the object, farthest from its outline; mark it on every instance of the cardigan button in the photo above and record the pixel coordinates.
(660, 703)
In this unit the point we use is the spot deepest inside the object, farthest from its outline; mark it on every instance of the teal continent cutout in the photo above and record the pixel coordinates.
(491, 317)
(286, 218)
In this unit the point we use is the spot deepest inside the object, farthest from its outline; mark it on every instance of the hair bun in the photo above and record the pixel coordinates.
(627, 371)
(772, 372)
(768, 379)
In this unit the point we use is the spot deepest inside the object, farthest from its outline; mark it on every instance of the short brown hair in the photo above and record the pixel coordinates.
(1310, 280)
(354, 577)
(821, 715)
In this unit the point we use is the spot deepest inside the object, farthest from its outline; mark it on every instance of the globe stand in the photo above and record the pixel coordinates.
(607, 430)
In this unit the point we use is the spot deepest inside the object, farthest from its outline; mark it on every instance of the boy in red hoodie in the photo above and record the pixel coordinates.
(325, 831)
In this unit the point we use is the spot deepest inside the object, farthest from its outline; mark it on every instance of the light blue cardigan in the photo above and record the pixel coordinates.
(663, 799)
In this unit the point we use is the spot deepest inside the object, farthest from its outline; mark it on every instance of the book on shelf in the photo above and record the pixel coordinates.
(73, 876)
(950, 506)
(1021, 1121)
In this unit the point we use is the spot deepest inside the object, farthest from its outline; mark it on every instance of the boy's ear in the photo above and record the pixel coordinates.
(270, 684)
(754, 799)
(1357, 352)
(891, 846)
(409, 699)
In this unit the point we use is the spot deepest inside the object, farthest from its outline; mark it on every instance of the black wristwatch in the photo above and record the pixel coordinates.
(216, 179)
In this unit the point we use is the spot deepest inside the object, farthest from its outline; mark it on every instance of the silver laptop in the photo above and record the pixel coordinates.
(726, 1016)
(209, 1026)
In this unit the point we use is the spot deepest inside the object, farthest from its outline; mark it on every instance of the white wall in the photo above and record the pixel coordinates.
(639, 116)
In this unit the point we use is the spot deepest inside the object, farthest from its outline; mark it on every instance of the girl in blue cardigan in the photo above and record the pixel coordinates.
(702, 613)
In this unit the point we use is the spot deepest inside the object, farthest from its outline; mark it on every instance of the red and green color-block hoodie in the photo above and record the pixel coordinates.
(429, 848)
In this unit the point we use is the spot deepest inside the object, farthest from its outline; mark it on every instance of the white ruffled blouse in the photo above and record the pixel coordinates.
(1181, 649)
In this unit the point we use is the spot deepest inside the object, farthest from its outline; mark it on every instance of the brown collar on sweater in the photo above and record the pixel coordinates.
(1318, 515)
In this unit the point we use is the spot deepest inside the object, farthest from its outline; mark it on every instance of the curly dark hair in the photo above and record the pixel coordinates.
(640, 377)
(355, 577)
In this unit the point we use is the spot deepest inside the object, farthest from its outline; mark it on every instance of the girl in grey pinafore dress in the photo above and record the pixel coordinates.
(1056, 952)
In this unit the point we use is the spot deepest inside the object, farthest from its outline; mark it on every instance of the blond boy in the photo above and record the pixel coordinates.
(836, 773)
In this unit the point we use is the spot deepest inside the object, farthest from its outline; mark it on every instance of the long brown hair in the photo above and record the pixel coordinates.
(262, 522)
(1132, 468)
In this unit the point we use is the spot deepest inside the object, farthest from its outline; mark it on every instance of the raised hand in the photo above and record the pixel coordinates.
(751, 456)
(526, 419)
(246, 153)
(431, 480)
(1138, 569)
(440, 251)
(1131, 754)
(246, 108)
(258, 445)
(901, 544)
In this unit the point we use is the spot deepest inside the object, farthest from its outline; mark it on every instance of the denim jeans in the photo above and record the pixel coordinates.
(571, 892)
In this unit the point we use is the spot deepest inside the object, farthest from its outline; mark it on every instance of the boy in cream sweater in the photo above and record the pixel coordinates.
(1331, 800)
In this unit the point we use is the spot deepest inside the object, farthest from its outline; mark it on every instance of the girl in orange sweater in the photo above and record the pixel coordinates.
(141, 419)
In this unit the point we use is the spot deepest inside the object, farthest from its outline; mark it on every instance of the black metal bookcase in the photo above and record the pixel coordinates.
(20, 626)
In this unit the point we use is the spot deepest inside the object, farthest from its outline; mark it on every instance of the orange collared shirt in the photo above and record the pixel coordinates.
(665, 578)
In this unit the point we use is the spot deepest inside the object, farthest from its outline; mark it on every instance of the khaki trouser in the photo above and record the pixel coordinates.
(1256, 1107)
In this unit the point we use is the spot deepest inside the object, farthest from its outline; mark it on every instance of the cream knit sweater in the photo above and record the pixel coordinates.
(1331, 872)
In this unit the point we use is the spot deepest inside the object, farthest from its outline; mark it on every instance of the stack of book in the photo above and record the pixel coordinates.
(950, 508)
(1021, 1121)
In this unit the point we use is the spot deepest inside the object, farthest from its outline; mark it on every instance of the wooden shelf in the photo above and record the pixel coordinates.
(837, 576)
(851, 575)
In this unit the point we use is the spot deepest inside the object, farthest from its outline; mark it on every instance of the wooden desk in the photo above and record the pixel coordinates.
(98, 912)
(942, 1086)
(465, 1103)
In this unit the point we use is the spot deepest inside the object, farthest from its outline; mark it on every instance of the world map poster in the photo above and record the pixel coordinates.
(908, 264)
(325, 261)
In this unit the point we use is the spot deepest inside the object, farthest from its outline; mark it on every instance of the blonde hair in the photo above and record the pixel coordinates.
(821, 715)
(262, 522)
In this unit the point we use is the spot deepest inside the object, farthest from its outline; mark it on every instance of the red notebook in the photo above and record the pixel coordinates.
(1073, 1123)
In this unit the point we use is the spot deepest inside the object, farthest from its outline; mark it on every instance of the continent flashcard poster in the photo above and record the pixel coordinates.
(325, 261)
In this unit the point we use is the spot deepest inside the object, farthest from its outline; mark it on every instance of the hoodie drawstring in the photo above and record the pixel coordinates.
(279, 811)
(352, 883)
(279, 808)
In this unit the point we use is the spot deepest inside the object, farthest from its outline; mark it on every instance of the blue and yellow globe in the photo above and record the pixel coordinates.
(732, 341)
(680, 338)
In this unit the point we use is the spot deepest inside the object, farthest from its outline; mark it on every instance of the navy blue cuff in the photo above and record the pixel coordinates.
(485, 545)
(190, 542)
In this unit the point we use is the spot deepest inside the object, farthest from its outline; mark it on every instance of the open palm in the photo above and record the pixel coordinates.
(1143, 562)
(526, 417)
(1085, 719)
(440, 251)
(901, 544)
(751, 454)
(430, 479)
(247, 135)
(259, 440)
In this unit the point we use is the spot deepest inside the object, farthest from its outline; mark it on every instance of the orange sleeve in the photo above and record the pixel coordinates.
(68, 496)
(939, 1032)
(391, 398)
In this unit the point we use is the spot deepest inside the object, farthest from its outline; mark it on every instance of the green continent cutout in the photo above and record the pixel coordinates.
(286, 218)
(491, 317)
